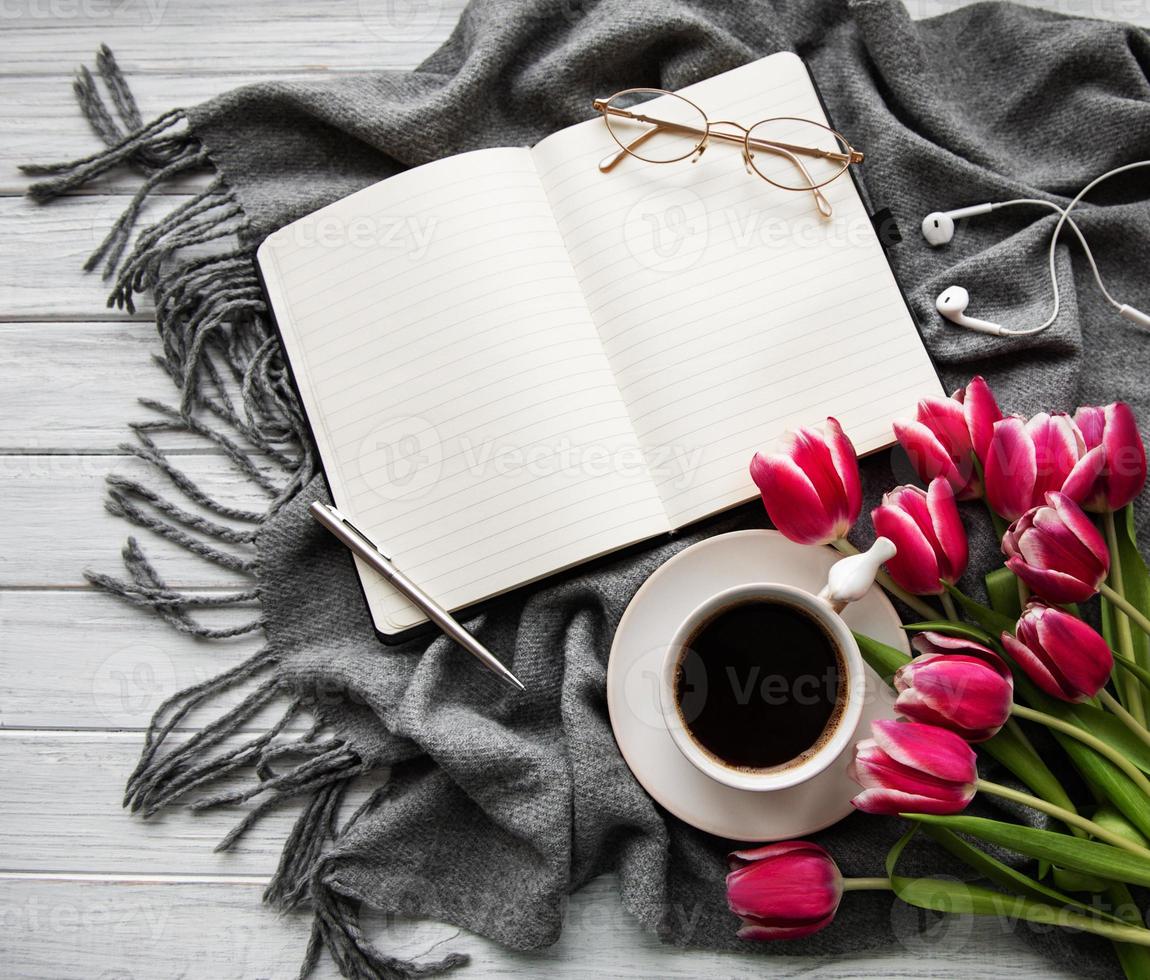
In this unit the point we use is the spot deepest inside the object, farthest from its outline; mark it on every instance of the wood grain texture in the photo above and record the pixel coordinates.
(214, 930)
(69, 661)
(56, 525)
(72, 388)
(85, 890)
(219, 37)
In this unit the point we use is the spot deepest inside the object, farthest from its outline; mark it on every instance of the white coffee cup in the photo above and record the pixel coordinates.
(850, 696)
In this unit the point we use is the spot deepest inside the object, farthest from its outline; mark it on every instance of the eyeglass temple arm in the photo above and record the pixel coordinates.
(608, 163)
(821, 202)
(851, 156)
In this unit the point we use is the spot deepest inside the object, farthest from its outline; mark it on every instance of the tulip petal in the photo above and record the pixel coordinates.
(944, 417)
(948, 531)
(981, 411)
(1079, 655)
(1091, 422)
(763, 933)
(812, 455)
(915, 565)
(1036, 668)
(891, 802)
(1125, 455)
(777, 849)
(927, 454)
(1083, 528)
(1053, 586)
(846, 465)
(933, 751)
(930, 642)
(1011, 469)
(1082, 485)
(1057, 447)
(788, 888)
(791, 500)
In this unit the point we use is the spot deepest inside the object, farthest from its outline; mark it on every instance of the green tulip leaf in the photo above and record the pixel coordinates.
(1002, 589)
(1135, 959)
(1088, 856)
(1007, 877)
(1111, 730)
(995, 623)
(1019, 756)
(1076, 881)
(1109, 782)
(883, 659)
(959, 898)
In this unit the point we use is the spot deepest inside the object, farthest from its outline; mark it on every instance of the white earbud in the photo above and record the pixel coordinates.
(952, 303)
(938, 229)
(938, 226)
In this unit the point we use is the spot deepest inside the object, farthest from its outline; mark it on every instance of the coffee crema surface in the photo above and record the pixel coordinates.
(759, 685)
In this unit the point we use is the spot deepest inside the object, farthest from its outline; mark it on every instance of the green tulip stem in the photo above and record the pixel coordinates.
(948, 606)
(1066, 816)
(844, 547)
(1127, 607)
(866, 884)
(1110, 701)
(1127, 685)
(1113, 755)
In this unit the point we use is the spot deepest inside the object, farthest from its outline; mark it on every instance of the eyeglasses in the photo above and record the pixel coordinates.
(791, 153)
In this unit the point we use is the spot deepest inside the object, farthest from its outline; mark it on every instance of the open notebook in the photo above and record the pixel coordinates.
(513, 363)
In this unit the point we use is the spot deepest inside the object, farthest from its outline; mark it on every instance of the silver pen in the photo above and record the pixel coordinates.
(361, 545)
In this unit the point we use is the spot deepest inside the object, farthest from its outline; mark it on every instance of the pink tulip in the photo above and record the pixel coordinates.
(1057, 551)
(1112, 429)
(947, 434)
(1025, 461)
(908, 767)
(957, 684)
(1059, 652)
(783, 891)
(811, 489)
(926, 528)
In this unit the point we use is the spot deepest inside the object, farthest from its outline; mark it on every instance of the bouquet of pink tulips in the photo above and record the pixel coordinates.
(1060, 491)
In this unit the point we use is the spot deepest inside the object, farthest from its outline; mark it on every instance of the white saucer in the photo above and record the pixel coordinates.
(633, 671)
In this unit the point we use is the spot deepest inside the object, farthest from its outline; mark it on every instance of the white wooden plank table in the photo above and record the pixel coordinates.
(85, 890)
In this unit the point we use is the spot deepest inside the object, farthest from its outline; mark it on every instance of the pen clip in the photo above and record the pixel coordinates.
(343, 519)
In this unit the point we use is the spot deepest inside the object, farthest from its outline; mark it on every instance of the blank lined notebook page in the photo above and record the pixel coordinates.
(466, 415)
(730, 309)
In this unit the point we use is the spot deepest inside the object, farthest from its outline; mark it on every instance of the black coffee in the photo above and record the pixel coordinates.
(758, 685)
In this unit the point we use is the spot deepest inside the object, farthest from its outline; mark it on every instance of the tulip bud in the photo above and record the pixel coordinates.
(1113, 430)
(1059, 652)
(927, 531)
(783, 891)
(1057, 551)
(909, 767)
(957, 684)
(1025, 461)
(948, 434)
(811, 488)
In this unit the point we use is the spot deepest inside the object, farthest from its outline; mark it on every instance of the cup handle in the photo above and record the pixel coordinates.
(851, 577)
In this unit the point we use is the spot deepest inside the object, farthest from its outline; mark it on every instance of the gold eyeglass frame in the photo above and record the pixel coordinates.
(790, 150)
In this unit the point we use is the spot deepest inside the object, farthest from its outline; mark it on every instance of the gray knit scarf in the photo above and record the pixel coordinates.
(498, 806)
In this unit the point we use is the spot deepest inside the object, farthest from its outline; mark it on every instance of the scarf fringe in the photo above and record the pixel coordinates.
(337, 928)
(220, 350)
